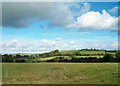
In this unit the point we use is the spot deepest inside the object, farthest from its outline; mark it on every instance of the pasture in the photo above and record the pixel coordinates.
(60, 73)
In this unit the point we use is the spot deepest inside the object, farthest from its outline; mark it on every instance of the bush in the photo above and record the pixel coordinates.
(108, 58)
(117, 55)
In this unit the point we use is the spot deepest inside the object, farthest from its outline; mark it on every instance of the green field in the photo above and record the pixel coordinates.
(67, 57)
(60, 73)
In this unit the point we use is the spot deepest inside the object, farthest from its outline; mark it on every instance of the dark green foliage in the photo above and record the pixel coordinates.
(90, 59)
(117, 55)
(0, 57)
(45, 55)
(18, 56)
(7, 58)
(54, 53)
(20, 60)
(107, 58)
(26, 56)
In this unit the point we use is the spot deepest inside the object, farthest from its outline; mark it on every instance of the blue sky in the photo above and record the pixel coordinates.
(41, 27)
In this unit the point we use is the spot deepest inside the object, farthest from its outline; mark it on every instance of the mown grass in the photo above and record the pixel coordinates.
(75, 73)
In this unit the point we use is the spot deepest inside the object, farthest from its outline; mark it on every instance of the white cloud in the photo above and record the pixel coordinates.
(58, 14)
(15, 46)
(58, 39)
(86, 7)
(96, 20)
(49, 43)
(114, 10)
(114, 44)
(71, 42)
(45, 41)
(43, 45)
(12, 43)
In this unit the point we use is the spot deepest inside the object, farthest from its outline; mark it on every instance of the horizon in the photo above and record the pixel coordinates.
(42, 27)
(56, 49)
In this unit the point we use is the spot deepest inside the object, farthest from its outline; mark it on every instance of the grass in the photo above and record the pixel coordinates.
(92, 52)
(67, 73)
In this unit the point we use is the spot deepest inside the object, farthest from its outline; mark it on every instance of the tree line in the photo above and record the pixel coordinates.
(106, 58)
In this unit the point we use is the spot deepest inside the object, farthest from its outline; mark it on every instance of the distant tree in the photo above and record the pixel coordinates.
(54, 53)
(44, 55)
(18, 56)
(7, 58)
(92, 59)
(26, 56)
(57, 59)
(107, 58)
(14, 60)
(21, 60)
(0, 57)
(59, 54)
(74, 59)
(77, 53)
(117, 55)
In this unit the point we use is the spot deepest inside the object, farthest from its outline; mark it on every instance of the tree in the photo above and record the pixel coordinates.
(18, 56)
(57, 59)
(44, 55)
(54, 53)
(0, 57)
(107, 58)
(77, 53)
(117, 55)
(7, 58)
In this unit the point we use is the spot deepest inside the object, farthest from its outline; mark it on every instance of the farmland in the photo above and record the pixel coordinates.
(84, 55)
(61, 67)
(62, 73)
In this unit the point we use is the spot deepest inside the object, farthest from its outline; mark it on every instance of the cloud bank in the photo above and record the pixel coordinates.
(45, 45)
(96, 20)
(22, 14)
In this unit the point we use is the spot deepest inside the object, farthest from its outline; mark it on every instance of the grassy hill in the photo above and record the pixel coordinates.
(84, 55)
(87, 52)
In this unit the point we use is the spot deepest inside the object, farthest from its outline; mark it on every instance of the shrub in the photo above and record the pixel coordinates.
(107, 58)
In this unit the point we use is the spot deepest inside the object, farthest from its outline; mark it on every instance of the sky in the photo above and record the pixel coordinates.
(37, 27)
